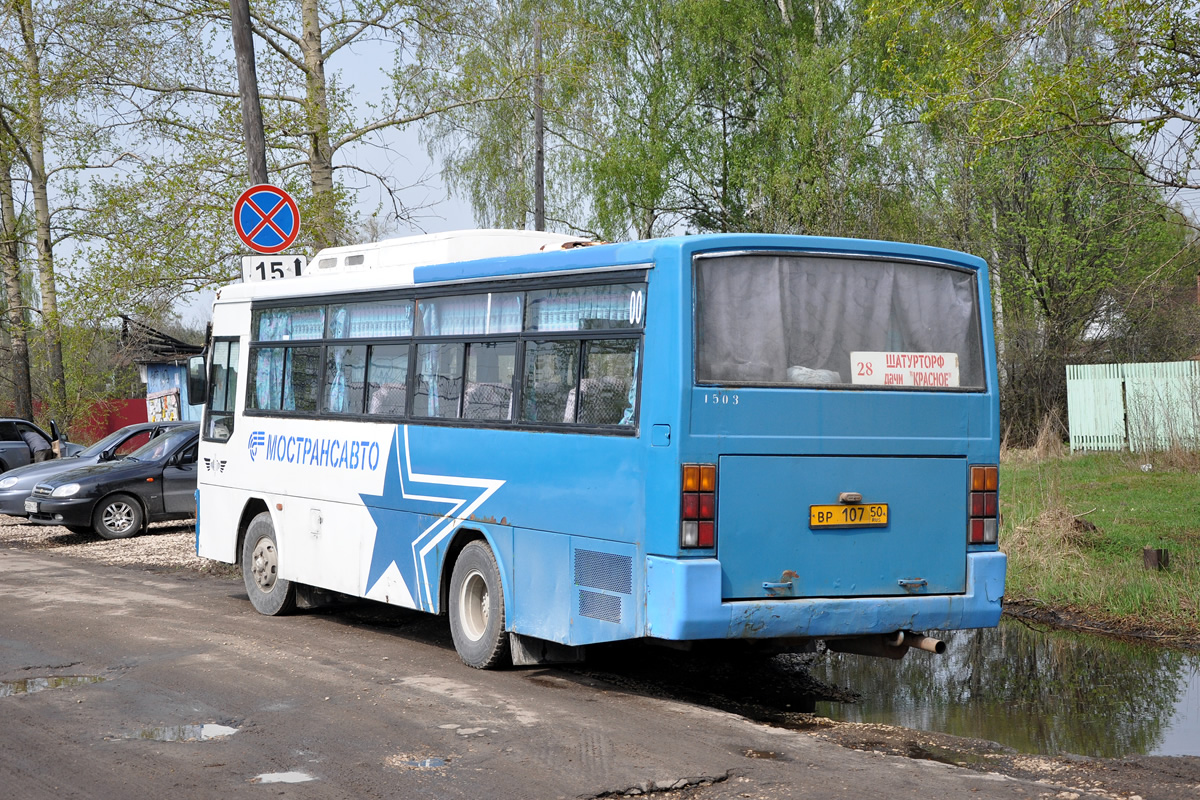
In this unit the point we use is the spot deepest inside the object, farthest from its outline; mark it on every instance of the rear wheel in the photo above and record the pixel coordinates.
(269, 593)
(117, 517)
(477, 608)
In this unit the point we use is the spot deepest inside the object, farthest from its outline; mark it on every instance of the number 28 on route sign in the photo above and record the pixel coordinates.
(266, 219)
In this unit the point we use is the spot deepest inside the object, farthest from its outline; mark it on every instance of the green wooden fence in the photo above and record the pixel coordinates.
(1142, 407)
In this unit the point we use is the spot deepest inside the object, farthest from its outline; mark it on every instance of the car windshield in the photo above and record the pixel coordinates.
(99, 447)
(162, 447)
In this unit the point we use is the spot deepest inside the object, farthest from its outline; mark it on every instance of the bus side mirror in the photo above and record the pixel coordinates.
(197, 381)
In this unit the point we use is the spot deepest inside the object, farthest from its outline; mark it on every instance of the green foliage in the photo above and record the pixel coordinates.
(1088, 252)
(481, 64)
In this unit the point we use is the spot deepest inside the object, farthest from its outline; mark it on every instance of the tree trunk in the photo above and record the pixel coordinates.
(252, 124)
(320, 154)
(10, 268)
(41, 207)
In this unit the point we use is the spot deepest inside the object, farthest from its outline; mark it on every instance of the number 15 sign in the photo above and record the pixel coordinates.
(272, 268)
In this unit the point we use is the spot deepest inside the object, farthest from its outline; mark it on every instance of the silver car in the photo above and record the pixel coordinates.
(16, 484)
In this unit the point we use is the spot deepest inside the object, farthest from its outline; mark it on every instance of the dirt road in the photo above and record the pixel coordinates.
(107, 671)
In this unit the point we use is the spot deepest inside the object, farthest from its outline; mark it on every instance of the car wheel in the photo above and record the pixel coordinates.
(117, 517)
(269, 593)
(477, 608)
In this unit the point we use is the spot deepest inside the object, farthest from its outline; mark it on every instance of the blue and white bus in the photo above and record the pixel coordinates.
(727, 436)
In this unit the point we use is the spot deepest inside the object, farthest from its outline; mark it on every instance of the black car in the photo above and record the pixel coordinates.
(16, 484)
(118, 499)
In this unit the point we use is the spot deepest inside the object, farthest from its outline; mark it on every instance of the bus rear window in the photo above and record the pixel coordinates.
(790, 319)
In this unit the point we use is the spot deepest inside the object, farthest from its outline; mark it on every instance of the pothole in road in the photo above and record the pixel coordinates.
(412, 761)
(31, 685)
(768, 754)
(185, 733)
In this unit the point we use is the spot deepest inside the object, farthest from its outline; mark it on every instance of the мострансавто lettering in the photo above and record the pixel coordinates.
(338, 453)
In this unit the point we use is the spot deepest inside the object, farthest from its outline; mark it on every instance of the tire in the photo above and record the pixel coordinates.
(477, 608)
(269, 593)
(118, 517)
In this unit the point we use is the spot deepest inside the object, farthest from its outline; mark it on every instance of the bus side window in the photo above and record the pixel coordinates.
(345, 369)
(284, 378)
(608, 390)
(550, 376)
(439, 380)
(387, 379)
(490, 370)
(224, 389)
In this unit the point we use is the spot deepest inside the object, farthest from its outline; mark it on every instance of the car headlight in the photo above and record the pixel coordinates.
(8, 483)
(66, 490)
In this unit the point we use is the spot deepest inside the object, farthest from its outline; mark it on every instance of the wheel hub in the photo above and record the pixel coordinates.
(118, 517)
(265, 564)
(474, 604)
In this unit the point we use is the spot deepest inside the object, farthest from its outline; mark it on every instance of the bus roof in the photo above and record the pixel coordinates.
(480, 255)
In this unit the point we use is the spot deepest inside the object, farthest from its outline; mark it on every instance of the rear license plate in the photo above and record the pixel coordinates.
(863, 515)
(31, 506)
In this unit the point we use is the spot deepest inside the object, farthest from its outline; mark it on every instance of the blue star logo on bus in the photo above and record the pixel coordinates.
(409, 540)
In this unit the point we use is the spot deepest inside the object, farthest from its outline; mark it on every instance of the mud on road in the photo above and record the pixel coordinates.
(774, 690)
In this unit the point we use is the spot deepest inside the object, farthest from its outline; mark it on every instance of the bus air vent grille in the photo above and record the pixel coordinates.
(608, 571)
(599, 606)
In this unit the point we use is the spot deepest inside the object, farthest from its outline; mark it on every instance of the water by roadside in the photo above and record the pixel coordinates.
(1037, 691)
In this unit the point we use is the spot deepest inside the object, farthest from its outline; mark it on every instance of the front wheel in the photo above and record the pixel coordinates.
(269, 593)
(117, 517)
(477, 608)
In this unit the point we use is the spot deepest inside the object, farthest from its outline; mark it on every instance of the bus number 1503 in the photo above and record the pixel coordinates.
(720, 399)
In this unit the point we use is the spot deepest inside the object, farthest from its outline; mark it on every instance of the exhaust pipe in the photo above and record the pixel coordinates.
(893, 646)
(926, 643)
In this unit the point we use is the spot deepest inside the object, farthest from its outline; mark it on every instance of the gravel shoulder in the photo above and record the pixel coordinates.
(171, 546)
(167, 545)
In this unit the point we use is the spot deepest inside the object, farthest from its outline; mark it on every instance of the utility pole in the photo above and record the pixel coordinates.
(539, 134)
(252, 125)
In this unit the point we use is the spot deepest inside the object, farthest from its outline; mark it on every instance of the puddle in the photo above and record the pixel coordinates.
(768, 754)
(1038, 692)
(185, 733)
(283, 777)
(31, 685)
(415, 761)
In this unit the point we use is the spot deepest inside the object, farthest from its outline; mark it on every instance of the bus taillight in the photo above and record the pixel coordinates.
(698, 507)
(983, 527)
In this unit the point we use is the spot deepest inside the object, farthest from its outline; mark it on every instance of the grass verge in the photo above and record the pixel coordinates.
(1074, 528)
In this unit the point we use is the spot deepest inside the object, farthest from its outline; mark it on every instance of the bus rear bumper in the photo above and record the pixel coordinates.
(683, 602)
